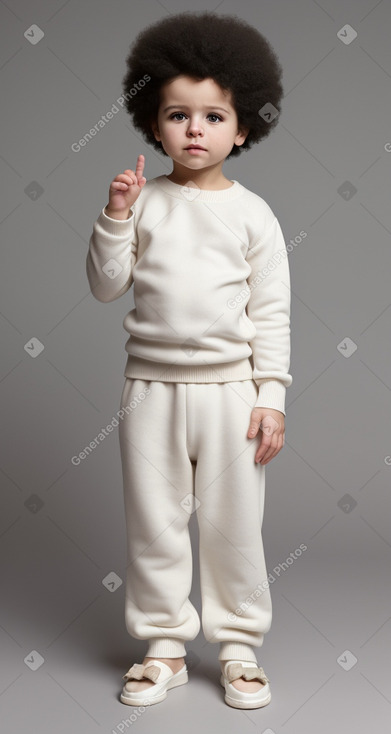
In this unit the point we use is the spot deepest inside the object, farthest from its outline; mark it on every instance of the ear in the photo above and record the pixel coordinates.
(155, 130)
(241, 136)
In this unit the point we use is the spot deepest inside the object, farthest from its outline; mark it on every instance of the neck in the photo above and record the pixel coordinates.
(210, 180)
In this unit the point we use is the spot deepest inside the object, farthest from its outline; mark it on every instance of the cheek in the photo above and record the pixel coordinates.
(169, 141)
(171, 135)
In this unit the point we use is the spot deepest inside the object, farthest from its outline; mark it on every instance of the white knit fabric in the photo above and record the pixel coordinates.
(211, 286)
(184, 449)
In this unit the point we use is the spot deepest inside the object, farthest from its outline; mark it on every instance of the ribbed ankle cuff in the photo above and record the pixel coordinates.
(166, 647)
(237, 651)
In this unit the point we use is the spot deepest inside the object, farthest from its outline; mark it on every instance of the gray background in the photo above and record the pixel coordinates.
(62, 528)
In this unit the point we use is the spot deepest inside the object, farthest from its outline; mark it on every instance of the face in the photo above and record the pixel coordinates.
(196, 112)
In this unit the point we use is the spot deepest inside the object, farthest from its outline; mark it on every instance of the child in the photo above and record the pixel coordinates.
(208, 352)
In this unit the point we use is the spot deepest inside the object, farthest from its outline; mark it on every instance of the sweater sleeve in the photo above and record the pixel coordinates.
(111, 256)
(269, 310)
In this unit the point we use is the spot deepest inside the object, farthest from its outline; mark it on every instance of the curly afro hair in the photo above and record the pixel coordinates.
(204, 45)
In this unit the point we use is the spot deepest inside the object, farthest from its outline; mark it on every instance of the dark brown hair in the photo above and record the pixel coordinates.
(204, 45)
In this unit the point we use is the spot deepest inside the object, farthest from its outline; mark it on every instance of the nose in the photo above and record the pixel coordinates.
(194, 127)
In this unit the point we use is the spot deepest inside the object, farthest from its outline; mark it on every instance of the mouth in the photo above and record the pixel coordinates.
(195, 147)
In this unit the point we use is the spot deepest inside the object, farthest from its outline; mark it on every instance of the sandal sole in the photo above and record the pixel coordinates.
(250, 704)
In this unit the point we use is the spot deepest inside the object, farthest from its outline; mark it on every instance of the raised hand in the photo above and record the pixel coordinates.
(125, 189)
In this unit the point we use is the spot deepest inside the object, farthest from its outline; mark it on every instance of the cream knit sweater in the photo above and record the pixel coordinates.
(211, 286)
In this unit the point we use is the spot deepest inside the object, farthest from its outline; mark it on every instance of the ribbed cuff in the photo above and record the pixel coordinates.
(237, 651)
(116, 226)
(271, 394)
(166, 647)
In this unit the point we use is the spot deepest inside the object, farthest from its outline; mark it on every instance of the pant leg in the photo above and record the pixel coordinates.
(157, 475)
(236, 601)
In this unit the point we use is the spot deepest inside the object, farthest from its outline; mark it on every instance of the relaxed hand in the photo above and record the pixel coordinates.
(272, 436)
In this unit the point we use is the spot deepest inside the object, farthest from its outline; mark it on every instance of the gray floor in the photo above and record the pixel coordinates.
(327, 653)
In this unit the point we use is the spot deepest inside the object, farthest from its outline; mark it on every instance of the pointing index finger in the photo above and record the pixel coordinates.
(140, 166)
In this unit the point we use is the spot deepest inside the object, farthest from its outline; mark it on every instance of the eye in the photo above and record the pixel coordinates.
(211, 114)
(175, 114)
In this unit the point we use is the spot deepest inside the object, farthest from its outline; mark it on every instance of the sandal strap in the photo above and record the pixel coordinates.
(237, 670)
(139, 671)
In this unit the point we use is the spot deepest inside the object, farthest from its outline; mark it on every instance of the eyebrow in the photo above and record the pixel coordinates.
(185, 107)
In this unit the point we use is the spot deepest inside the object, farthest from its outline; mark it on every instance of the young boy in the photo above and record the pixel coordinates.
(208, 352)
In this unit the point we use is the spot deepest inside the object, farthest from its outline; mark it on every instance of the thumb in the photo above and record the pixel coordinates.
(253, 430)
(254, 424)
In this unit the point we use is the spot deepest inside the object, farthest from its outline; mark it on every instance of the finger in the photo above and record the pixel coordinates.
(119, 186)
(253, 429)
(267, 447)
(272, 451)
(127, 179)
(269, 454)
(262, 450)
(128, 174)
(140, 166)
(267, 457)
(266, 461)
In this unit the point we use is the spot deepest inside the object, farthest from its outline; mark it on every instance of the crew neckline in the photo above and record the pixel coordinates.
(185, 193)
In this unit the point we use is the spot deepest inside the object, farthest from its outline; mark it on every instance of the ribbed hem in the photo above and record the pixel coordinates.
(144, 369)
(237, 651)
(166, 647)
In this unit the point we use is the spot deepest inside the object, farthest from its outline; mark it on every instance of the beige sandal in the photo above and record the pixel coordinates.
(162, 676)
(234, 669)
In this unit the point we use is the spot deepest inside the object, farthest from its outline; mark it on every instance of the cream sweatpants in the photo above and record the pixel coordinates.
(184, 449)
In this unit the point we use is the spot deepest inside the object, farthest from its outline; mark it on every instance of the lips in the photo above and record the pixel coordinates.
(197, 147)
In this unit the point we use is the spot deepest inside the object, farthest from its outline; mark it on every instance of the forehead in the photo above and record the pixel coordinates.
(186, 90)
